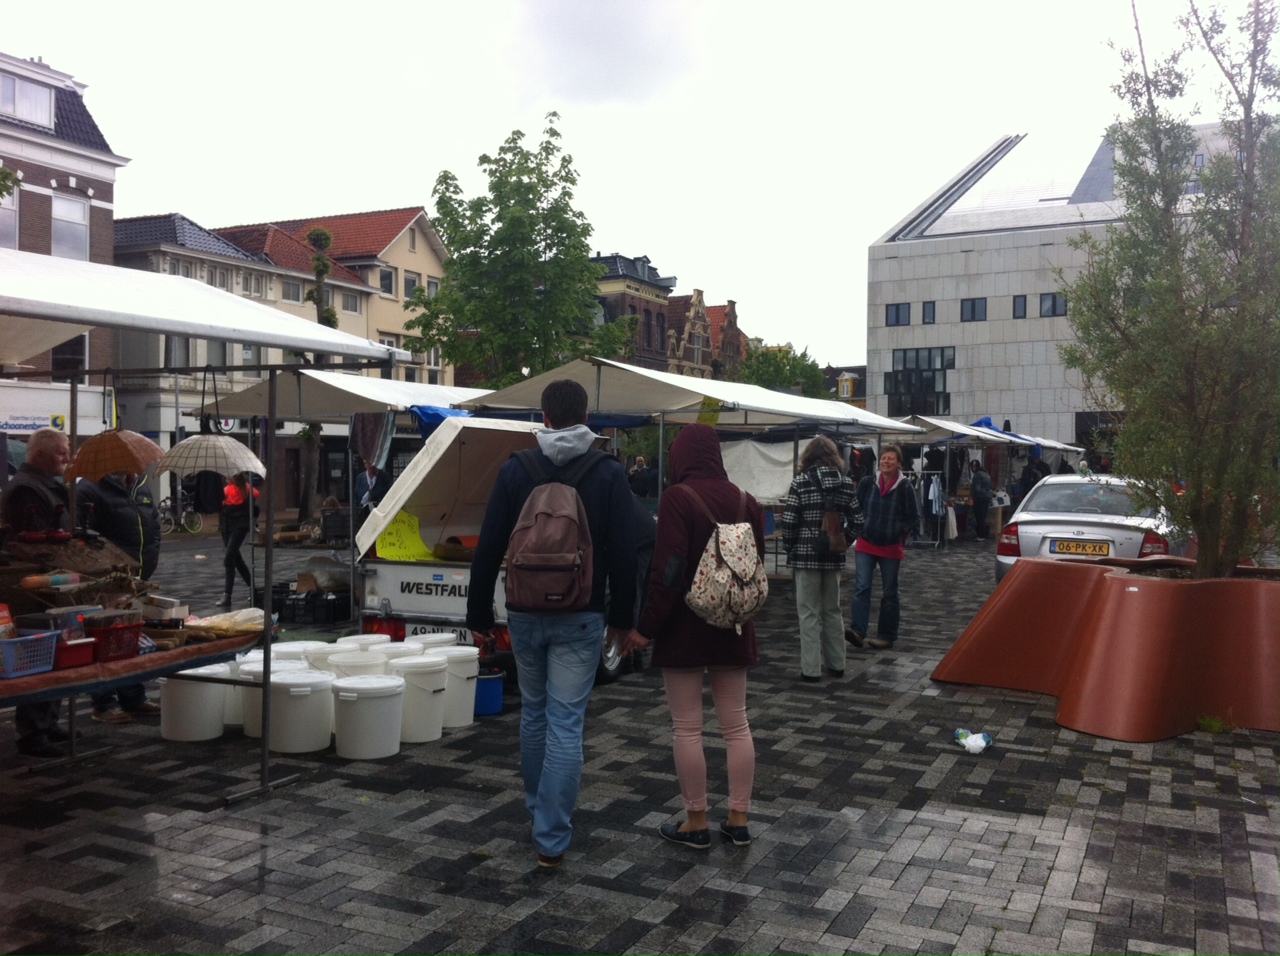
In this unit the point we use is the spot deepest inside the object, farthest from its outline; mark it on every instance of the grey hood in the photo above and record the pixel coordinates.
(562, 445)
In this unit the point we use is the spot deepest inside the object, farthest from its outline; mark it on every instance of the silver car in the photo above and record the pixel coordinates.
(1076, 516)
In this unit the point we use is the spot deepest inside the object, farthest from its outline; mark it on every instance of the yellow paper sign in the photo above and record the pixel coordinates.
(710, 413)
(402, 542)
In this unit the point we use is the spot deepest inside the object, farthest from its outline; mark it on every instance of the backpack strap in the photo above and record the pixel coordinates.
(742, 504)
(570, 475)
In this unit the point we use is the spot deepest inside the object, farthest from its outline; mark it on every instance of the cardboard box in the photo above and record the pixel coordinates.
(151, 612)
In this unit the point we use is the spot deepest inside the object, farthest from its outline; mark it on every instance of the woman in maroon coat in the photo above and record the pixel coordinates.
(686, 647)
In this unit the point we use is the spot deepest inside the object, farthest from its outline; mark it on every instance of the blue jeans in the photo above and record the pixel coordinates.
(556, 660)
(865, 565)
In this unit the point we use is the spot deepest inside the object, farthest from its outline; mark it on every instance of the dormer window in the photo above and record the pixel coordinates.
(27, 101)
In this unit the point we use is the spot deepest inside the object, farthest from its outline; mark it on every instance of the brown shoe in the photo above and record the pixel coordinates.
(879, 644)
(549, 862)
(150, 708)
(111, 715)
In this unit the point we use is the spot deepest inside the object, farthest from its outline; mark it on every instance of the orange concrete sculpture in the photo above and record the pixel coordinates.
(1129, 657)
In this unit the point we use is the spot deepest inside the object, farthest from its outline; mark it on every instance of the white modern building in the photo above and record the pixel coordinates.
(964, 319)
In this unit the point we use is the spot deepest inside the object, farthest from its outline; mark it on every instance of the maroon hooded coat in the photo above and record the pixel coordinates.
(681, 638)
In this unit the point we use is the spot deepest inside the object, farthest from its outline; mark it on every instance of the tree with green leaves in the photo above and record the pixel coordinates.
(783, 368)
(8, 182)
(1175, 311)
(519, 286)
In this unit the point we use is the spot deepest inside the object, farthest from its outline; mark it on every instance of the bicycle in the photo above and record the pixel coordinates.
(190, 520)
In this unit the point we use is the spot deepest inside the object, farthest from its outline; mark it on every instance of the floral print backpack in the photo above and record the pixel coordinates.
(729, 585)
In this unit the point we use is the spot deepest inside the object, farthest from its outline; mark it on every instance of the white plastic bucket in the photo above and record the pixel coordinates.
(424, 690)
(363, 641)
(252, 696)
(301, 710)
(460, 690)
(367, 711)
(192, 710)
(318, 657)
(357, 663)
(295, 650)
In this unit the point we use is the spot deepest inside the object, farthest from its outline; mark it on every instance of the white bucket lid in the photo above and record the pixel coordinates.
(315, 680)
(369, 685)
(399, 649)
(295, 650)
(420, 664)
(443, 639)
(363, 640)
(318, 655)
(208, 670)
(459, 652)
(253, 669)
(356, 657)
(251, 655)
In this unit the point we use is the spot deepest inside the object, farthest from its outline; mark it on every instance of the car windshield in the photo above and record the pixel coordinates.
(1086, 497)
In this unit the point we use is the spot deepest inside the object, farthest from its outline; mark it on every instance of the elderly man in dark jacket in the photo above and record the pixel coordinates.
(36, 500)
(121, 508)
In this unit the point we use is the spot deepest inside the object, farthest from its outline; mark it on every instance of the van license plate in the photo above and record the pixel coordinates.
(1093, 549)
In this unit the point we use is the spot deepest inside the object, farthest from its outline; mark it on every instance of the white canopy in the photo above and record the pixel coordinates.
(617, 389)
(317, 395)
(45, 300)
(1050, 443)
(940, 430)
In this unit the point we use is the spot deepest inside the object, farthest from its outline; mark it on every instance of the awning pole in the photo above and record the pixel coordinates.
(268, 567)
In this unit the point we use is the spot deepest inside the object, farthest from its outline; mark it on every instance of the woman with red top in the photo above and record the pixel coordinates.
(890, 513)
(238, 516)
(688, 649)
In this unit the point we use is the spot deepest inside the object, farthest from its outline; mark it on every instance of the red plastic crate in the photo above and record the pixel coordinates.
(76, 653)
(116, 641)
(30, 654)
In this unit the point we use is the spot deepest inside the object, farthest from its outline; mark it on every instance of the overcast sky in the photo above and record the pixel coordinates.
(752, 150)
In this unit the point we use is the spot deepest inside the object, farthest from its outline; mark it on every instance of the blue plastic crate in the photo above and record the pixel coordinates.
(30, 654)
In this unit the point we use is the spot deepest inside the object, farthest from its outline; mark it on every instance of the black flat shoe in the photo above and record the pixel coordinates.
(740, 836)
(42, 746)
(832, 672)
(810, 680)
(853, 637)
(693, 839)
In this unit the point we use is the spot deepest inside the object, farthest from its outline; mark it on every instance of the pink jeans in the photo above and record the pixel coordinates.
(684, 698)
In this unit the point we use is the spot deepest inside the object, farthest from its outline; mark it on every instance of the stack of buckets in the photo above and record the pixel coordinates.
(371, 694)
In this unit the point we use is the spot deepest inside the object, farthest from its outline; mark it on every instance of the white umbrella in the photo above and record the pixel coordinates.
(218, 453)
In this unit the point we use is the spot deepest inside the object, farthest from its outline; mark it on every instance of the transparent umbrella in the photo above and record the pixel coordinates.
(217, 453)
(119, 450)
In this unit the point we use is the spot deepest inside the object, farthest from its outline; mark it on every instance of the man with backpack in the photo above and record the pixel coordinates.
(559, 572)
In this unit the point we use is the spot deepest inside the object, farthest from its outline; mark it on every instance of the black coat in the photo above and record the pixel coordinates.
(128, 519)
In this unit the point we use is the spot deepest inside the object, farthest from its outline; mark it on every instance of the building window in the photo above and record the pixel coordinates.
(897, 313)
(390, 342)
(188, 271)
(433, 287)
(29, 102)
(9, 221)
(662, 330)
(216, 277)
(218, 353)
(1019, 306)
(648, 329)
(71, 356)
(1051, 303)
(1199, 161)
(257, 285)
(411, 281)
(434, 369)
(328, 297)
(291, 291)
(387, 281)
(973, 310)
(928, 313)
(70, 228)
(918, 383)
(251, 355)
(413, 239)
(351, 302)
(178, 353)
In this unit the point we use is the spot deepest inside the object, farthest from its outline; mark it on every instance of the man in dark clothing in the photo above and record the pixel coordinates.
(639, 479)
(36, 500)
(372, 484)
(120, 507)
(557, 653)
(980, 491)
